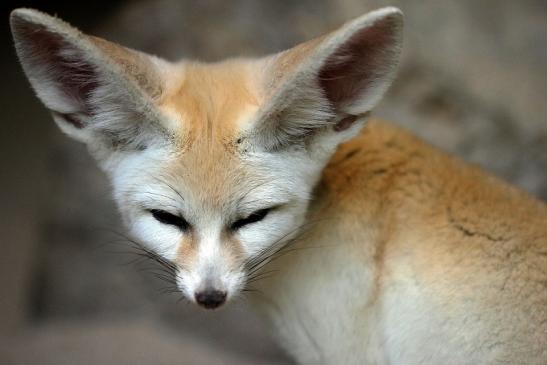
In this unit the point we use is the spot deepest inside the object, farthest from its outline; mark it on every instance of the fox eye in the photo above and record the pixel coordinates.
(252, 218)
(167, 218)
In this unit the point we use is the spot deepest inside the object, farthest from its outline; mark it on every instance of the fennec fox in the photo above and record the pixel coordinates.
(385, 250)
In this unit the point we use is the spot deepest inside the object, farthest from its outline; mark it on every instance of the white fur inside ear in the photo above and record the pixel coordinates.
(72, 125)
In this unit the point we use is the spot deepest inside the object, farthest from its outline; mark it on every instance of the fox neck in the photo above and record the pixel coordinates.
(331, 273)
(302, 282)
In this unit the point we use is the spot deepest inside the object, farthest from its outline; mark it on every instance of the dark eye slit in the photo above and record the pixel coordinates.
(252, 218)
(170, 219)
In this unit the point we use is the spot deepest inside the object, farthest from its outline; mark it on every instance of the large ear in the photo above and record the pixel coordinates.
(98, 92)
(331, 82)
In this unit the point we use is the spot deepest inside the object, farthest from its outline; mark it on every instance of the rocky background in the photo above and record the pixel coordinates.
(473, 81)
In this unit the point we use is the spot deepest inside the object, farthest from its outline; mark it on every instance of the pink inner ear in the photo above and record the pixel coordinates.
(60, 63)
(358, 63)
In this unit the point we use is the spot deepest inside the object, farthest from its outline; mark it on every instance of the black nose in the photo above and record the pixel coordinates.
(211, 299)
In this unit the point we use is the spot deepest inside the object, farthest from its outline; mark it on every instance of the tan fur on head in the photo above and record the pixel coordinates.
(210, 102)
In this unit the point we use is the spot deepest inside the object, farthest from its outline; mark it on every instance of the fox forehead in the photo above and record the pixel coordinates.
(211, 101)
(210, 104)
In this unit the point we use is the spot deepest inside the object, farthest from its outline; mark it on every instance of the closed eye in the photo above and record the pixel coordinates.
(252, 218)
(170, 219)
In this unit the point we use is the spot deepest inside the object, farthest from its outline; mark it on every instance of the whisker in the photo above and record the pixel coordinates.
(150, 262)
(279, 248)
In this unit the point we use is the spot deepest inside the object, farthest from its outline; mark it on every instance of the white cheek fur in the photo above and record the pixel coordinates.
(162, 238)
(273, 229)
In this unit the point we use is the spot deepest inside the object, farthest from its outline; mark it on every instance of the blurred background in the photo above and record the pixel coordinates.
(473, 81)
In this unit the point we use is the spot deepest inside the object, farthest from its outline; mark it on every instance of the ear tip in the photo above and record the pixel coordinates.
(389, 11)
(389, 15)
(22, 19)
(392, 13)
(26, 15)
(389, 18)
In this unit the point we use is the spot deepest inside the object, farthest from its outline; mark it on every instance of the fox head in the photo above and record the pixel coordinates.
(212, 164)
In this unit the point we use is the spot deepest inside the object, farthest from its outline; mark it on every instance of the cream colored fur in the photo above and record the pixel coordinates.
(377, 248)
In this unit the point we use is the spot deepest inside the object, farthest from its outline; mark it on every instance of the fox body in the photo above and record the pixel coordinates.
(439, 264)
(360, 245)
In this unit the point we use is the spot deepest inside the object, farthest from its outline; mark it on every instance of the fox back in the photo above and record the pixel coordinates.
(386, 250)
